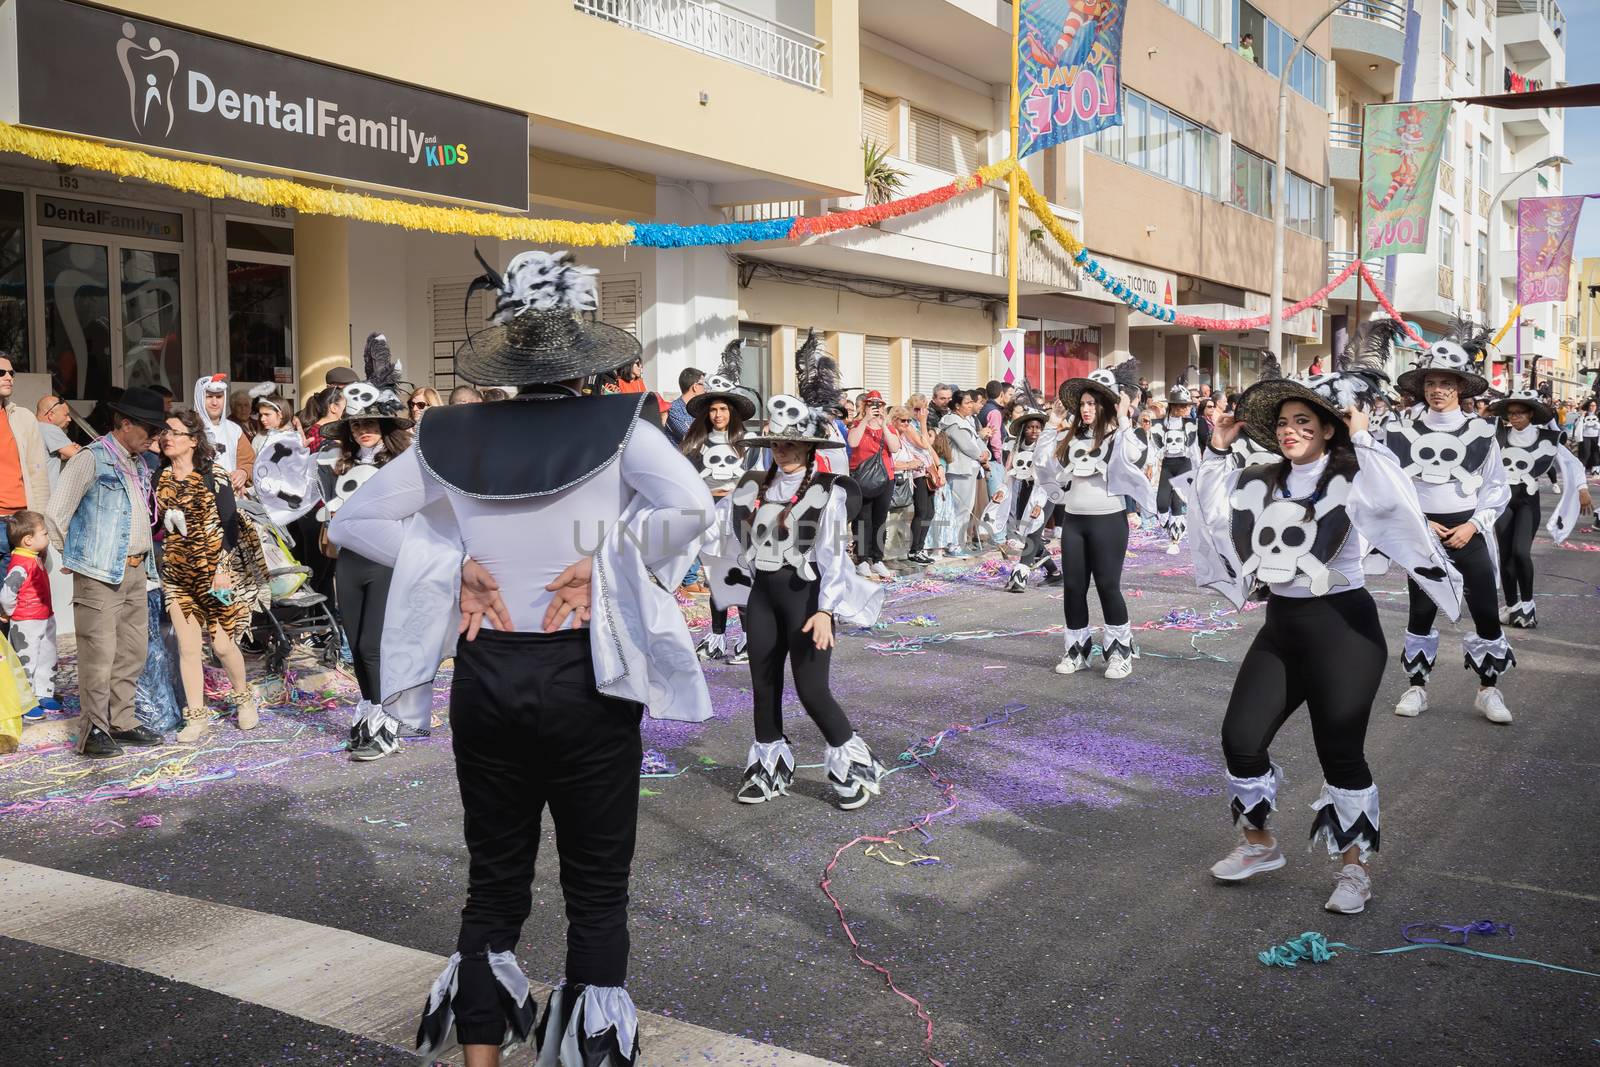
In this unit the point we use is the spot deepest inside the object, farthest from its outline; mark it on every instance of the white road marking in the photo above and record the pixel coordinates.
(1481, 880)
(321, 974)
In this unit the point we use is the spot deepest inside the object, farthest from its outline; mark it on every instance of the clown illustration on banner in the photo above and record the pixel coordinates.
(1402, 144)
(1069, 62)
(1546, 226)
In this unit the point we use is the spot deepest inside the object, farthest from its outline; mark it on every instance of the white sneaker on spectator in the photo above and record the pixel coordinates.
(1493, 705)
(864, 569)
(1351, 891)
(1247, 861)
(1413, 703)
(881, 571)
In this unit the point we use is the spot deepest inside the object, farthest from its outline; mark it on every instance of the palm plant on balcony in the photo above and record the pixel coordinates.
(883, 179)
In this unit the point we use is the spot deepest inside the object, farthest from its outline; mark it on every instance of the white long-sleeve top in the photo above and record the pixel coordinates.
(1568, 472)
(1094, 494)
(1383, 510)
(1493, 494)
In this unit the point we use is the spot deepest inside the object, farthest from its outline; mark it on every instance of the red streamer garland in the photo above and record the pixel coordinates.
(815, 225)
(1389, 308)
(1257, 321)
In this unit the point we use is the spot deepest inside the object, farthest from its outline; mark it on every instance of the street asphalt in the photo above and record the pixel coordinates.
(1060, 913)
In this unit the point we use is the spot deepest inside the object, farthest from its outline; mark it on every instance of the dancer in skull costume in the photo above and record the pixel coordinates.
(720, 414)
(1177, 438)
(1453, 460)
(1015, 495)
(782, 561)
(1091, 467)
(1298, 527)
(1530, 449)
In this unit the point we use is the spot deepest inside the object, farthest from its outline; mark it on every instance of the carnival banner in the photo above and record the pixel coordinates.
(1401, 143)
(1069, 65)
(1546, 226)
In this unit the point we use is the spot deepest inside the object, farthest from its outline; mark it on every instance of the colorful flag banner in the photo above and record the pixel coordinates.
(1069, 66)
(1546, 226)
(1401, 143)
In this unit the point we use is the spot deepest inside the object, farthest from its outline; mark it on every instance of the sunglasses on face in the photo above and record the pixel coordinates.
(419, 405)
(7, 372)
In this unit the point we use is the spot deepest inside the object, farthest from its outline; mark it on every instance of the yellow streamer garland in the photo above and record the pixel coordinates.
(1511, 318)
(1041, 208)
(215, 183)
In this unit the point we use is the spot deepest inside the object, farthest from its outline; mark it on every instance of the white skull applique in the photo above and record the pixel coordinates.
(1520, 463)
(1438, 458)
(1022, 466)
(345, 485)
(1447, 355)
(718, 384)
(785, 410)
(1104, 377)
(1285, 533)
(359, 396)
(772, 546)
(719, 463)
(1084, 460)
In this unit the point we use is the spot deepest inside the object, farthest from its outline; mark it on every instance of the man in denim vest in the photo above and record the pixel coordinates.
(100, 517)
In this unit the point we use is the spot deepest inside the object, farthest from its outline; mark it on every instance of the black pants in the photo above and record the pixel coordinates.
(1477, 574)
(780, 603)
(1033, 550)
(1093, 546)
(1327, 653)
(363, 594)
(1514, 530)
(870, 528)
(921, 514)
(307, 532)
(1168, 502)
(530, 729)
(1589, 453)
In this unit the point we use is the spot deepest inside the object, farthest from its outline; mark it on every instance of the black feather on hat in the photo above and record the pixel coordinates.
(1127, 376)
(1270, 367)
(724, 386)
(376, 397)
(1033, 405)
(806, 416)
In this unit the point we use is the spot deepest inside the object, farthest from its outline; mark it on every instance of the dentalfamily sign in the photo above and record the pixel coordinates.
(107, 75)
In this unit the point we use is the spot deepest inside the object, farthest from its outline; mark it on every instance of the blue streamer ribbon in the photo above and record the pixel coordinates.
(1315, 948)
(671, 235)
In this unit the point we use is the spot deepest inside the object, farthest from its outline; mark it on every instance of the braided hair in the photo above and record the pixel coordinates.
(805, 483)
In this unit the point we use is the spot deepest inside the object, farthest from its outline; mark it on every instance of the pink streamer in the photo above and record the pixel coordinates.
(1389, 308)
(1257, 321)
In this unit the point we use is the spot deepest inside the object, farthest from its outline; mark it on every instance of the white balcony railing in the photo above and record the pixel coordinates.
(721, 30)
(1344, 135)
(1388, 12)
(1338, 261)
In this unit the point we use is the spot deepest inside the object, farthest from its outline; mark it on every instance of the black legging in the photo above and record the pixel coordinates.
(307, 531)
(1477, 574)
(1033, 550)
(1093, 546)
(780, 603)
(1589, 453)
(1514, 530)
(1168, 502)
(363, 594)
(870, 529)
(1327, 653)
(921, 514)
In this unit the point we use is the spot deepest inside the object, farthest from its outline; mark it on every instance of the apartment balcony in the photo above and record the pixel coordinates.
(1354, 288)
(1532, 31)
(1344, 152)
(1367, 32)
(721, 30)
(1447, 178)
(1533, 122)
(962, 244)
(1447, 282)
(972, 36)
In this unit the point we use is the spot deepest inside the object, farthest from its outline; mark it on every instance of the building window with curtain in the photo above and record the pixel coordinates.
(1447, 31)
(1164, 143)
(1447, 239)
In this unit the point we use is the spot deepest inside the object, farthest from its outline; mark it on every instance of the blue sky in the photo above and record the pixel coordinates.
(1583, 123)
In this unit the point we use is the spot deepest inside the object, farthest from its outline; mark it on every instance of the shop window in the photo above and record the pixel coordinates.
(260, 321)
(13, 280)
(755, 357)
(77, 318)
(152, 319)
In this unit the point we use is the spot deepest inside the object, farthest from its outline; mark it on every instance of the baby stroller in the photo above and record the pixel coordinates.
(297, 613)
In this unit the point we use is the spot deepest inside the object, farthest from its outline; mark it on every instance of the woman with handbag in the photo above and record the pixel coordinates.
(872, 445)
(967, 458)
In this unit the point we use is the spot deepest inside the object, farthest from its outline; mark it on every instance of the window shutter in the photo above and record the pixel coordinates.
(927, 367)
(619, 301)
(451, 319)
(875, 119)
(964, 157)
(877, 365)
(961, 365)
(925, 138)
(942, 144)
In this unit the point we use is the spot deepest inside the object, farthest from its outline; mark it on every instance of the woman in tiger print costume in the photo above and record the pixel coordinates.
(212, 569)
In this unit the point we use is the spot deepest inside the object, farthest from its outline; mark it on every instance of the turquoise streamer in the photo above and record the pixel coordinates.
(1490, 956)
(1315, 948)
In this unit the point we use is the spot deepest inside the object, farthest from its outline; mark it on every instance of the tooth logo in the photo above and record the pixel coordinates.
(151, 73)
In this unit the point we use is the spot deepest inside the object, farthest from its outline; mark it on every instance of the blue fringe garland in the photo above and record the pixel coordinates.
(671, 235)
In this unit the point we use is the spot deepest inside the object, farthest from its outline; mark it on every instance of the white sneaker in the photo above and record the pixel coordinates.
(1071, 663)
(1119, 666)
(1173, 548)
(1493, 705)
(881, 571)
(864, 569)
(1413, 703)
(1505, 616)
(1351, 892)
(1247, 861)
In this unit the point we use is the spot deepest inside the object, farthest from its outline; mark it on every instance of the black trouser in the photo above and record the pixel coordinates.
(719, 620)
(1589, 453)
(307, 532)
(1033, 550)
(780, 603)
(921, 514)
(1514, 530)
(1168, 500)
(1477, 574)
(870, 528)
(530, 729)
(1327, 653)
(363, 594)
(1093, 546)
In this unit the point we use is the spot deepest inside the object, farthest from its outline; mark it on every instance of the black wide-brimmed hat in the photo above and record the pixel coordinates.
(1542, 411)
(1106, 383)
(543, 327)
(724, 386)
(377, 397)
(803, 419)
(1258, 405)
(1031, 415)
(144, 406)
(1457, 353)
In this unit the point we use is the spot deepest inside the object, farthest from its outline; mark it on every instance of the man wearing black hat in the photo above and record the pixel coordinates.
(99, 520)
(585, 519)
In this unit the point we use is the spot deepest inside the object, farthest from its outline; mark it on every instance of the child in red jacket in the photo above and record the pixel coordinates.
(25, 597)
